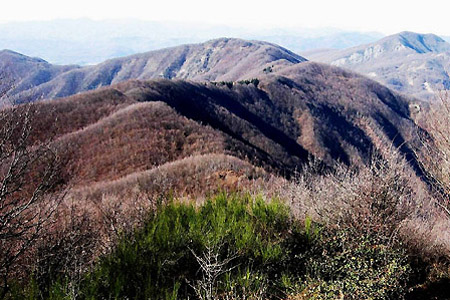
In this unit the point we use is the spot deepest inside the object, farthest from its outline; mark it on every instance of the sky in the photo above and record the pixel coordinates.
(385, 16)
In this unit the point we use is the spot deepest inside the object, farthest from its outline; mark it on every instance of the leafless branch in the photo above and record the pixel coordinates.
(28, 172)
(212, 267)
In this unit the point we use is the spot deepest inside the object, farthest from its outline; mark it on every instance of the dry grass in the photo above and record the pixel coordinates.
(191, 176)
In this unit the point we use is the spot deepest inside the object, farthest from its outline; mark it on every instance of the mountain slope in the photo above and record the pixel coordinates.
(217, 60)
(20, 73)
(408, 62)
(302, 112)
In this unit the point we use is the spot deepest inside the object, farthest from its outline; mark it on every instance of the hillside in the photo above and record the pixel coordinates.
(411, 63)
(217, 60)
(294, 112)
(278, 123)
(19, 73)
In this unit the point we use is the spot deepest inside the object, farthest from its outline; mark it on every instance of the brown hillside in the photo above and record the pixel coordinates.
(280, 122)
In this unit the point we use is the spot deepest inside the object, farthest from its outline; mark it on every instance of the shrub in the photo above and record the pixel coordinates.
(356, 267)
(268, 69)
(228, 84)
(235, 246)
(254, 81)
(161, 259)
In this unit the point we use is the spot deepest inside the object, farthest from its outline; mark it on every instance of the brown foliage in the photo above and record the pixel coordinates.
(67, 248)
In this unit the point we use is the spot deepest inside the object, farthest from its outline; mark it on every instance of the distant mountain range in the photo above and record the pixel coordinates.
(412, 63)
(217, 60)
(85, 41)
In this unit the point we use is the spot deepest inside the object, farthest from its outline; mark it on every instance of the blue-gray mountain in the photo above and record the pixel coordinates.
(84, 41)
(412, 63)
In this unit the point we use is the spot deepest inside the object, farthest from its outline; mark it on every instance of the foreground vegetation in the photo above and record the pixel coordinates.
(236, 247)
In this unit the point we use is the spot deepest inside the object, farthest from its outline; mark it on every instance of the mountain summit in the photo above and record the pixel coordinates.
(419, 43)
(408, 62)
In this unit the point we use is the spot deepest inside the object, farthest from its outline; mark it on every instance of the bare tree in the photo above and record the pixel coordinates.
(28, 171)
(7, 84)
(66, 249)
(435, 155)
(212, 266)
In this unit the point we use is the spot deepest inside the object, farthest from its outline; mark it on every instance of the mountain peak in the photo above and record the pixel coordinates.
(276, 52)
(407, 62)
(420, 43)
(9, 52)
(9, 55)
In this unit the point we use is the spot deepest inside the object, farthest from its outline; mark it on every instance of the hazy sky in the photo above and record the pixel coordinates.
(386, 16)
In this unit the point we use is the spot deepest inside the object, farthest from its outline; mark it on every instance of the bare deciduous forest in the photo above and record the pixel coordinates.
(310, 182)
